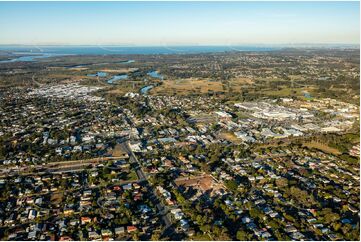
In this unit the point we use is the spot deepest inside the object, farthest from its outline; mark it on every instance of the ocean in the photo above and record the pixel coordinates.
(30, 53)
(111, 50)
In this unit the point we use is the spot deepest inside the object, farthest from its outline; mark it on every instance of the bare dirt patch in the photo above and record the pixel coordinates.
(118, 151)
(229, 136)
(56, 198)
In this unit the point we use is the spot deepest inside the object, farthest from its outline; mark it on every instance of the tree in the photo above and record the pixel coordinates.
(255, 213)
(135, 237)
(242, 235)
(179, 197)
(331, 217)
(155, 236)
(205, 228)
(231, 185)
(336, 226)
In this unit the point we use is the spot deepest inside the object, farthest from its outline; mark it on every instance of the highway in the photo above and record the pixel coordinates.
(54, 167)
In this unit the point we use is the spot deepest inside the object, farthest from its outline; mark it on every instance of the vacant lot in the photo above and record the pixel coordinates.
(323, 147)
(230, 137)
(56, 198)
(237, 84)
(118, 151)
(187, 86)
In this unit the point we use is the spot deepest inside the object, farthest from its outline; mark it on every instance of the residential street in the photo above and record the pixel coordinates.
(162, 210)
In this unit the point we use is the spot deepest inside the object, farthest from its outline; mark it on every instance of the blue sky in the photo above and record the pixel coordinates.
(179, 23)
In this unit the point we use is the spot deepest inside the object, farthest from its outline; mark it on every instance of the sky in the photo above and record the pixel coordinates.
(179, 23)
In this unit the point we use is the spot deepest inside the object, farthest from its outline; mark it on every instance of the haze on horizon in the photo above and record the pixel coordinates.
(179, 23)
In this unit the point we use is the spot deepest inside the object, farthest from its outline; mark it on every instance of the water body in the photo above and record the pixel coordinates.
(78, 66)
(33, 53)
(155, 74)
(117, 78)
(127, 62)
(307, 95)
(145, 89)
(30, 58)
(122, 50)
(99, 74)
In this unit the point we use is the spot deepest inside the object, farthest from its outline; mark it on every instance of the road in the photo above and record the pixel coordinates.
(54, 167)
(162, 210)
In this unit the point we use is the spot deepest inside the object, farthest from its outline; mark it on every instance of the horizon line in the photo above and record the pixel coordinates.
(190, 45)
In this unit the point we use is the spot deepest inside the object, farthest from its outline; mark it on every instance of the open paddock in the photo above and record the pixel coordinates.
(187, 86)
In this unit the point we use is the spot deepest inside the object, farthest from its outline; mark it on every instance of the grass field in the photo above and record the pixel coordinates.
(78, 69)
(230, 137)
(132, 175)
(120, 70)
(201, 237)
(199, 86)
(187, 86)
(285, 92)
(323, 147)
(236, 84)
